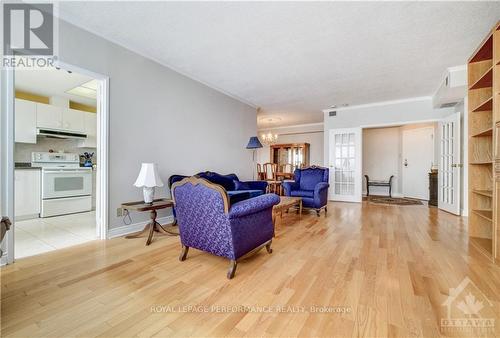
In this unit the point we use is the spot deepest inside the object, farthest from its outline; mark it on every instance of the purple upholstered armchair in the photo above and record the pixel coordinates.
(312, 185)
(209, 223)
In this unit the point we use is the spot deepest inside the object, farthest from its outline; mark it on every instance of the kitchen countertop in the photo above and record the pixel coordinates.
(25, 165)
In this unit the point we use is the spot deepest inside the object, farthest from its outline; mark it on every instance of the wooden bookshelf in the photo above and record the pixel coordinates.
(483, 74)
(487, 193)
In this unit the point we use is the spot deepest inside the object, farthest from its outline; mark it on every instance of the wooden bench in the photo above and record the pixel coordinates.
(378, 184)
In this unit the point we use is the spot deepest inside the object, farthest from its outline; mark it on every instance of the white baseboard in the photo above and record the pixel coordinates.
(128, 229)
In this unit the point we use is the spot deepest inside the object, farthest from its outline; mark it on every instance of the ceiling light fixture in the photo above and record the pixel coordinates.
(87, 89)
(269, 138)
(269, 119)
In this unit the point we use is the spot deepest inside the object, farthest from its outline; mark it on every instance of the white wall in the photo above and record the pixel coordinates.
(383, 114)
(158, 115)
(308, 133)
(382, 158)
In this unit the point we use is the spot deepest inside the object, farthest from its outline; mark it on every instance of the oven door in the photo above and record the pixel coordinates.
(58, 183)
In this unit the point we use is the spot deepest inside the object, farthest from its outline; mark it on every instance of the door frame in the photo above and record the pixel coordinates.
(394, 124)
(102, 179)
(402, 152)
(7, 160)
(7, 153)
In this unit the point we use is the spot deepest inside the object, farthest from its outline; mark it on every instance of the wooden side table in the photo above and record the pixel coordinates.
(152, 226)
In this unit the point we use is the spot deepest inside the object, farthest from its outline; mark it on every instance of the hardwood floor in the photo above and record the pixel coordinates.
(388, 268)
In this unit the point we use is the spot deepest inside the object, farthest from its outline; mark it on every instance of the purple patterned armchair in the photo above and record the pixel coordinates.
(209, 223)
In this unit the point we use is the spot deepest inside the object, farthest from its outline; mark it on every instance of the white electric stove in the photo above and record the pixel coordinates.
(66, 187)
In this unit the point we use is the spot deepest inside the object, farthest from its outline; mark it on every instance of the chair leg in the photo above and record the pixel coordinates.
(232, 269)
(268, 248)
(326, 210)
(317, 212)
(184, 253)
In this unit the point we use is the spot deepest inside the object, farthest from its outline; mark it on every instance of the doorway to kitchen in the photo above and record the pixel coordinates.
(59, 157)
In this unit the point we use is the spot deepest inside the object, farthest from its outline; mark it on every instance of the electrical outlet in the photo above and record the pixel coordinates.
(119, 212)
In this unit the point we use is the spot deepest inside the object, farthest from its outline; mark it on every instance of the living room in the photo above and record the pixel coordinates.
(199, 240)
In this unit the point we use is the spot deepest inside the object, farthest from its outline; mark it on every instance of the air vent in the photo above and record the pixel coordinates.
(448, 105)
(332, 113)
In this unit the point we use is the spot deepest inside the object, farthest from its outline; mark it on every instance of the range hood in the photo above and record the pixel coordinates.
(60, 134)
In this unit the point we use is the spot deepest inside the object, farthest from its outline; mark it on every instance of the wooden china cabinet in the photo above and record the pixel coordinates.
(296, 154)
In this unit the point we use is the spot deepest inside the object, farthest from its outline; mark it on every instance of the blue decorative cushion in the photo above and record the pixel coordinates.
(238, 185)
(241, 195)
(225, 181)
(302, 193)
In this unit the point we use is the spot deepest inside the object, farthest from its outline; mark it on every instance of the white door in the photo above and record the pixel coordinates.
(418, 158)
(345, 164)
(48, 116)
(449, 164)
(7, 160)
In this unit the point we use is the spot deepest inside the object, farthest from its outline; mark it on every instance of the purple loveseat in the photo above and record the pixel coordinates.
(311, 184)
(208, 222)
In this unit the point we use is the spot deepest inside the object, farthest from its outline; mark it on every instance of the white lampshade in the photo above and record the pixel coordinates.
(148, 177)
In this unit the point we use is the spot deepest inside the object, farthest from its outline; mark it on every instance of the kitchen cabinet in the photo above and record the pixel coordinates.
(48, 116)
(25, 121)
(27, 192)
(90, 124)
(73, 120)
(54, 117)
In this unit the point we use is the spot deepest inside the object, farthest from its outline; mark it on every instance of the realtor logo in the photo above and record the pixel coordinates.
(28, 29)
(29, 36)
(468, 310)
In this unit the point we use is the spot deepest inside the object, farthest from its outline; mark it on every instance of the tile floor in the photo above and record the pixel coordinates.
(36, 236)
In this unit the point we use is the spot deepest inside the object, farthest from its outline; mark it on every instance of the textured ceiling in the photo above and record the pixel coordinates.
(52, 82)
(293, 59)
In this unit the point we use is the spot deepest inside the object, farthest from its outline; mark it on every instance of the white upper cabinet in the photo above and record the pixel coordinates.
(90, 122)
(73, 120)
(55, 117)
(48, 116)
(25, 121)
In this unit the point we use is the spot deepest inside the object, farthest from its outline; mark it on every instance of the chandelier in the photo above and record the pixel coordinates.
(269, 138)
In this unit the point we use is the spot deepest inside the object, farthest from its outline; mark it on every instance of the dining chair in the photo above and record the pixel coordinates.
(287, 168)
(274, 184)
(261, 175)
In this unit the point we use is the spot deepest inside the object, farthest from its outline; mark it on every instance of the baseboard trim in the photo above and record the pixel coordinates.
(128, 229)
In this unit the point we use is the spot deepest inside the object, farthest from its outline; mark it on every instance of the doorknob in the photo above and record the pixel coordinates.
(457, 165)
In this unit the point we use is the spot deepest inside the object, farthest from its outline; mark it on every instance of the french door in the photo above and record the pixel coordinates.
(345, 164)
(450, 165)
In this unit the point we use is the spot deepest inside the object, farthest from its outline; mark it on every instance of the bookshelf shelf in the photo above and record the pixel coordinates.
(484, 114)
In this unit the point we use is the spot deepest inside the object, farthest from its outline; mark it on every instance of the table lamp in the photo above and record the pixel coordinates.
(148, 179)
